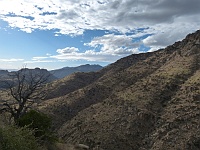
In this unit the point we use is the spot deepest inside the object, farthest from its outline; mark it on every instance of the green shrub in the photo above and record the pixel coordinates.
(13, 138)
(39, 123)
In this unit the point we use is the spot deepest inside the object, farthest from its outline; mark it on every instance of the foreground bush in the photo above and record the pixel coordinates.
(13, 138)
(39, 123)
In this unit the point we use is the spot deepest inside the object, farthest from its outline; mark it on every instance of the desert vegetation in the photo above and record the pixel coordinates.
(27, 128)
(14, 138)
(145, 101)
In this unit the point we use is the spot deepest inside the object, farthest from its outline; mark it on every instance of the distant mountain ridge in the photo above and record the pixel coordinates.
(58, 73)
(5, 75)
(61, 73)
(53, 74)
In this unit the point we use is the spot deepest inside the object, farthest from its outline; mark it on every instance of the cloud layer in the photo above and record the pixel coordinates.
(165, 21)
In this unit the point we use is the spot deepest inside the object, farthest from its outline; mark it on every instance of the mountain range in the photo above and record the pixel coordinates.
(53, 74)
(61, 73)
(6, 76)
(147, 101)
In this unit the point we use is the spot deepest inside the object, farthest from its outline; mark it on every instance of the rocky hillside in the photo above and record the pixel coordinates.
(76, 81)
(148, 101)
(61, 73)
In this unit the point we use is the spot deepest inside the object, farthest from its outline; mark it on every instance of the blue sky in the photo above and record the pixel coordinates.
(53, 34)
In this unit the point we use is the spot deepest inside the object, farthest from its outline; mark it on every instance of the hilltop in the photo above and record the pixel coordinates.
(143, 101)
(63, 72)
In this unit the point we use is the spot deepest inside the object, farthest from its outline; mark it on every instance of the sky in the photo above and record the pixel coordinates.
(53, 34)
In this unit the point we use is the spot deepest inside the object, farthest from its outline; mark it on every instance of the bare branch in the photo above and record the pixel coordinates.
(25, 88)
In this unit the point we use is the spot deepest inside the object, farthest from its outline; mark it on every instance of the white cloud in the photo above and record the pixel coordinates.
(88, 55)
(11, 60)
(38, 61)
(168, 36)
(167, 20)
(67, 50)
(115, 44)
(39, 58)
(76, 16)
(104, 54)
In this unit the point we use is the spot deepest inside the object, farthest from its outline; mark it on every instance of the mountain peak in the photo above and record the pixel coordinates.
(193, 36)
(61, 73)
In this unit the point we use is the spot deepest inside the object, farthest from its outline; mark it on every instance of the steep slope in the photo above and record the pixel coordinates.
(76, 81)
(61, 73)
(143, 101)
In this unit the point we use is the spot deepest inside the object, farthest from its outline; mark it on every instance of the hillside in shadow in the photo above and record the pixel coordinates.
(143, 101)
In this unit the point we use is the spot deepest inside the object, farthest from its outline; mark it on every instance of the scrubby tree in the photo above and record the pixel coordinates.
(39, 122)
(24, 88)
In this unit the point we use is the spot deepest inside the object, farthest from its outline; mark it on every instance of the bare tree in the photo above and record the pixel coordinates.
(24, 89)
